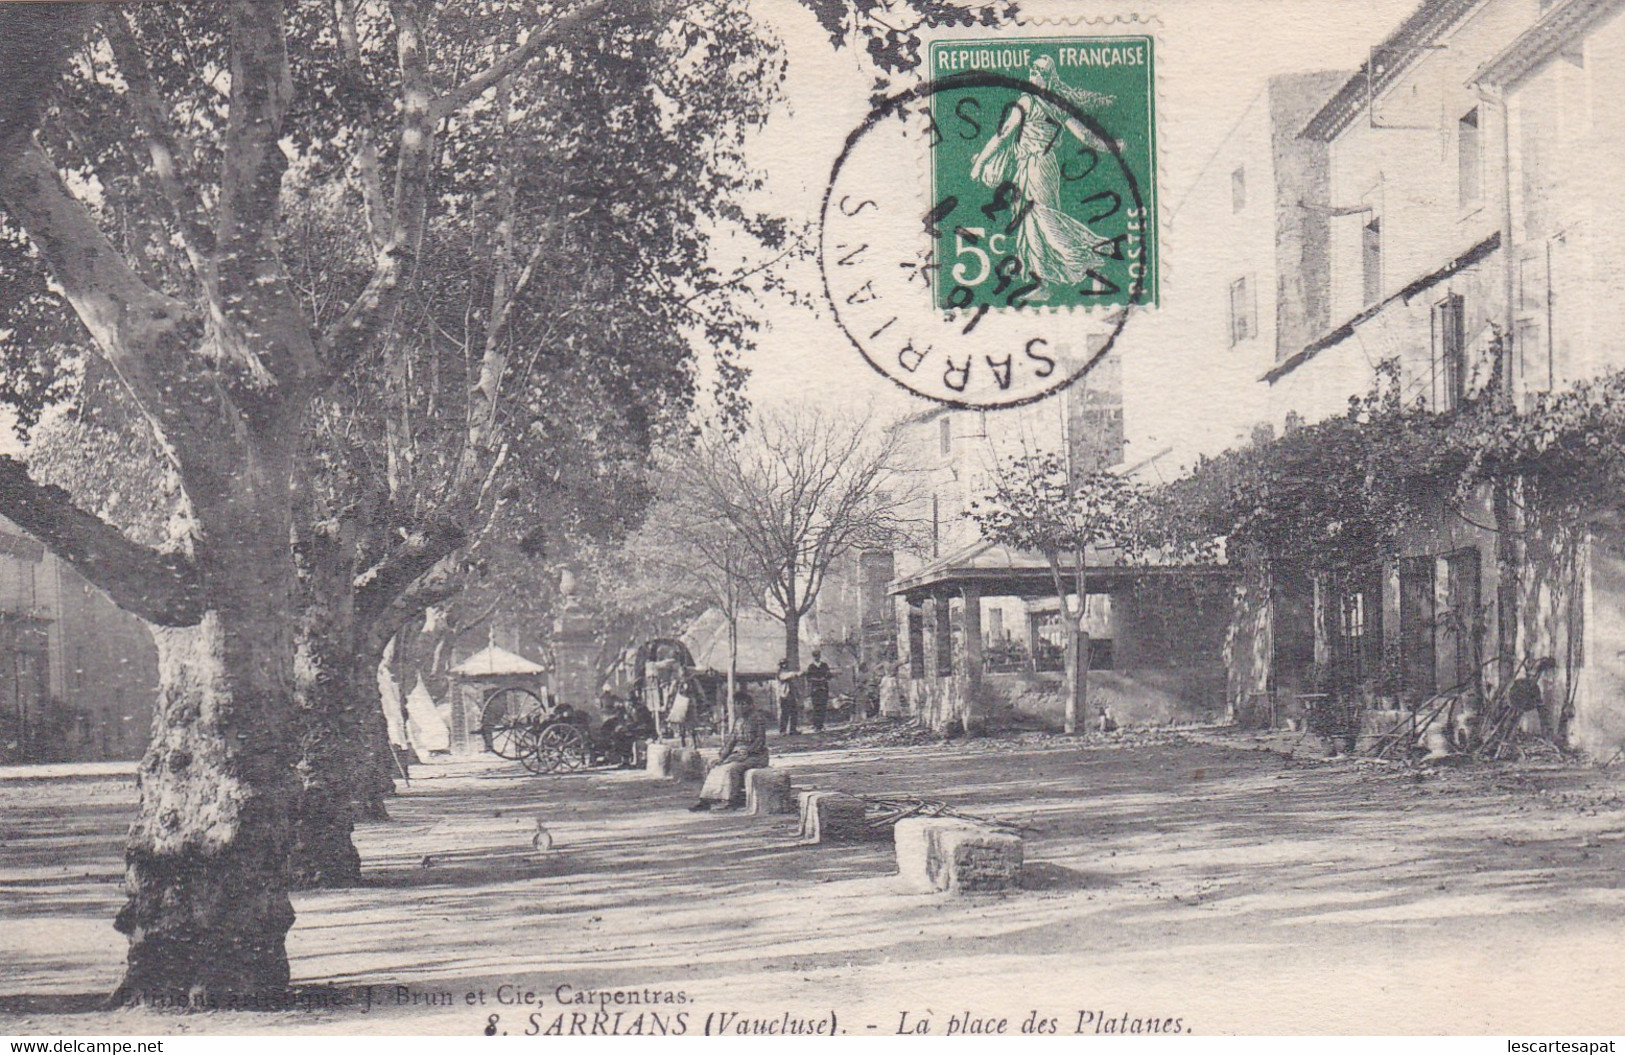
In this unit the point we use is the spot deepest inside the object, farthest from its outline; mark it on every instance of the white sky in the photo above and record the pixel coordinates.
(1213, 57)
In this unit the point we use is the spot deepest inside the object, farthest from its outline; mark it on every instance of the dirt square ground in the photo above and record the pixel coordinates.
(1199, 877)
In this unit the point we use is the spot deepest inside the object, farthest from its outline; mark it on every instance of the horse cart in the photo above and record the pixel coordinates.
(666, 696)
(546, 736)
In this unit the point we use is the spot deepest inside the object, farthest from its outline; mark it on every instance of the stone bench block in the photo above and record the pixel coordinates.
(832, 816)
(687, 763)
(944, 854)
(768, 791)
(657, 760)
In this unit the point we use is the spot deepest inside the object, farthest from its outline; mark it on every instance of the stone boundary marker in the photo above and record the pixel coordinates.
(674, 763)
(767, 791)
(948, 855)
(831, 817)
(687, 763)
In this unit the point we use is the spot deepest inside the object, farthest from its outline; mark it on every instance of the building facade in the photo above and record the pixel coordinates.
(78, 676)
(1443, 226)
(1191, 384)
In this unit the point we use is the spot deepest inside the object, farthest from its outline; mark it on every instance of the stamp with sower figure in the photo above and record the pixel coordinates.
(1013, 265)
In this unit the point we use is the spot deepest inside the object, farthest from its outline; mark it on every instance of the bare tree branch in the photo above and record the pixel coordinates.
(383, 584)
(171, 155)
(261, 323)
(422, 110)
(466, 92)
(798, 493)
(366, 154)
(148, 337)
(348, 337)
(162, 588)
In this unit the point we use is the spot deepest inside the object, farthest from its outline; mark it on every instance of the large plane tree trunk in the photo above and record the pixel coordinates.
(208, 909)
(345, 764)
(376, 773)
(323, 853)
(224, 371)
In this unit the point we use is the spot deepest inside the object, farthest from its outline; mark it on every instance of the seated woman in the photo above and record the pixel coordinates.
(744, 748)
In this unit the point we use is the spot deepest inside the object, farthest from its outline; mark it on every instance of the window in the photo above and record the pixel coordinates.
(1371, 260)
(945, 439)
(1238, 189)
(1468, 158)
(936, 526)
(1536, 358)
(1243, 311)
(1450, 353)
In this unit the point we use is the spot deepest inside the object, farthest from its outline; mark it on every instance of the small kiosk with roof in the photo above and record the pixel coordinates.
(494, 691)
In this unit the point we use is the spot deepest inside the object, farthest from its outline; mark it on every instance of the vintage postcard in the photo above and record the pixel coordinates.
(775, 518)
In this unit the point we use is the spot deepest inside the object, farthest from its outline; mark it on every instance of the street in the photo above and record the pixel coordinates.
(1199, 877)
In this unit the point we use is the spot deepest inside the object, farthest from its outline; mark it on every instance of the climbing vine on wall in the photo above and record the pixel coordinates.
(1341, 492)
(1568, 448)
(1333, 494)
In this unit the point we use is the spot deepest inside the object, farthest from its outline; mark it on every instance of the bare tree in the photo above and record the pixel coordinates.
(683, 552)
(798, 491)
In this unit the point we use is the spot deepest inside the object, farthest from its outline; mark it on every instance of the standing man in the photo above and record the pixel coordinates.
(789, 704)
(818, 675)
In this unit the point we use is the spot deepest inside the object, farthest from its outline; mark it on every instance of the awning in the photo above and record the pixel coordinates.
(761, 642)
(1002, 571)
(496, 661)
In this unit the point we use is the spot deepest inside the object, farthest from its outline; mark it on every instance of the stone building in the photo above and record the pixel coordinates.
(1446, 212)
(78, 676)
(1255, 221)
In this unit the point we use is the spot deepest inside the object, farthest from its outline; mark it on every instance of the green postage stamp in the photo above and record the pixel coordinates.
(1043, 172)
(1035, 165)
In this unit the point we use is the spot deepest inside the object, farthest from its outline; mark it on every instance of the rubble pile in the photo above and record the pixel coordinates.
(881, 732)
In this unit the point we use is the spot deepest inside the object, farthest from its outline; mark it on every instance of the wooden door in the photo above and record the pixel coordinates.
(1460, 623)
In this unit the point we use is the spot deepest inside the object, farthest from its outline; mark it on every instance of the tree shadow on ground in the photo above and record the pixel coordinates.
(52, 1003)
(1173, 847)
(1044, 875)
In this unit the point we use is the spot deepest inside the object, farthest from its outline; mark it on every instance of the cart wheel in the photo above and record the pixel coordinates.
(563, 747)
(507, 714)
(528, 743)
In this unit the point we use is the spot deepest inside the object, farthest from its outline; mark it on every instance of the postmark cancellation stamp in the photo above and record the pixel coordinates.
(988, 233)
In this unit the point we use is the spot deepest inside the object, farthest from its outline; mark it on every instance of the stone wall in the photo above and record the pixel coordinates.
(941, 702)
(1137, 697)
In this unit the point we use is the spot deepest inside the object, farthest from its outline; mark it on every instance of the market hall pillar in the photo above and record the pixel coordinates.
(934, 612)
(969, 660)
